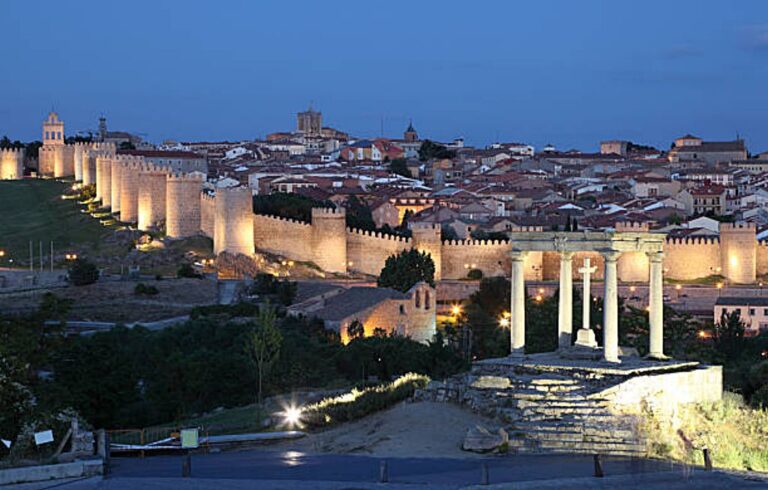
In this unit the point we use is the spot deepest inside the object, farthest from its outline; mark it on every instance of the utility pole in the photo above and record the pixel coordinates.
(41, 255)
(51, 255)
(31, 258)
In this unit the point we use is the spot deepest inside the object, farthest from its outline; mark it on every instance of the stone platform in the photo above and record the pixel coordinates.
(547, 403)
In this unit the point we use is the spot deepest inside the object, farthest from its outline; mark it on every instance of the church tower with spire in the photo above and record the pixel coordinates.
(410, 134)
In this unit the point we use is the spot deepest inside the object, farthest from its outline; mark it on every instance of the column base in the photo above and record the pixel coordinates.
(611, 361)
(585, 337)
(657, 357)
(517, 353)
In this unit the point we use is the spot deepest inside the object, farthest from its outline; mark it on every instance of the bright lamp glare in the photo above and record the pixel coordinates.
(291, 416)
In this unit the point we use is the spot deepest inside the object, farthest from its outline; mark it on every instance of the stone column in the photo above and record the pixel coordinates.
(565, 307)
(611, 308)
(656, 306)
(517, 306)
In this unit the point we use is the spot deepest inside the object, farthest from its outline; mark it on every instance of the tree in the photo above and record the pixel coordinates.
(82, 272)
(355, 330)
(288, 205)
(359, 215)
(404, 270)
(447, 232)
(430, 149)
(728, 335)
(264, 343)
(399, 166)
(127, 145)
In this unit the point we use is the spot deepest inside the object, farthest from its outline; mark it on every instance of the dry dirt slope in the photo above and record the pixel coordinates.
(410, 429)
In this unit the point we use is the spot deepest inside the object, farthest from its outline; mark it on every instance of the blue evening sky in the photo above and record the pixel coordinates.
(566, 72)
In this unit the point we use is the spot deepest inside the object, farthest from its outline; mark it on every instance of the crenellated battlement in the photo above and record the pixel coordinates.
(738, 227)
(526, 229)
(632, 226)
(329, 213)
(378, 235)
(425, 226)
(280, 218)
(185, 177)
(14, 152)
(475, 243)
(701, 240)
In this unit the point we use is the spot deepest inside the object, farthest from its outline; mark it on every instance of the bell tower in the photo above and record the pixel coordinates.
(53, 130)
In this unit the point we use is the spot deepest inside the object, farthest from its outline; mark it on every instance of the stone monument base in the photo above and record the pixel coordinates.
(550, 403)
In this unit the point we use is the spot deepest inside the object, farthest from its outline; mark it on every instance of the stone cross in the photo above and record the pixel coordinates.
(586, 336)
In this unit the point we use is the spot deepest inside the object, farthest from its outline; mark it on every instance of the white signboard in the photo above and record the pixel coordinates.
(189, 438)
(43, 437)
(6, 443)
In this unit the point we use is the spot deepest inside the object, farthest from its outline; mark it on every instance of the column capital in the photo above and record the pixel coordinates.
(610, 255)
(517, 255)
(656, 256)
(566, 255)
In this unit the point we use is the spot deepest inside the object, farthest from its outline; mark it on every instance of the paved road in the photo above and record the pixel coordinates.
(292, 470)
(450, 473)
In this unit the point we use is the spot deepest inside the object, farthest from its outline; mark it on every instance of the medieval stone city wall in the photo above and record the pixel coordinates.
(692, 258)
(208, 214)
(287, 237)
(368, 250)
(11, 164)
(738, 252)
(129, 187)
(182, 214)
(233, 221)
(151, 199)
(490, 256)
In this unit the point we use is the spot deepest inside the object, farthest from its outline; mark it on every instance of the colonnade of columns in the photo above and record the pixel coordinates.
(610, 303)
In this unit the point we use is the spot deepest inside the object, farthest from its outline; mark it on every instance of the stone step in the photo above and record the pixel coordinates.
(618, 437)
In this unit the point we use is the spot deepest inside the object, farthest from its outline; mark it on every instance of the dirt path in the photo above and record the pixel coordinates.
(420, 429)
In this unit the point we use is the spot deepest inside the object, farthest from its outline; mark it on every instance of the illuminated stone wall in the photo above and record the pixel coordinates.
(11, 164)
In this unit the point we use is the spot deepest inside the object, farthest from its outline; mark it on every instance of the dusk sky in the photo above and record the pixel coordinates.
(566, 72)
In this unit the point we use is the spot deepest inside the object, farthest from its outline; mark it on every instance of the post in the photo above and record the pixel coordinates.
(598, 466)
(656, 306)
(383, 471)
(51, 255)
(611, 308)
(707, 459)
(186, 466)
(517, 307)
(565, 308)
(484, 480)
(31, 258)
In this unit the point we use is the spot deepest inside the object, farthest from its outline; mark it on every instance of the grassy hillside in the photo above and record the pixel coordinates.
(34, 210)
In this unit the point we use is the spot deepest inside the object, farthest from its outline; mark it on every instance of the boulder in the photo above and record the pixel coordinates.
(480, 440)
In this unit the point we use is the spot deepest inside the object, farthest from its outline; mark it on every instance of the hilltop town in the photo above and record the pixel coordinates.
(393, 256)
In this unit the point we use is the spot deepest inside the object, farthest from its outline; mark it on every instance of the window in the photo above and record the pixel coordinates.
(426, 300)
(765, 311)
(402, 309)
(47, 135)
(417, 300)
(751, 312)
(58, 135)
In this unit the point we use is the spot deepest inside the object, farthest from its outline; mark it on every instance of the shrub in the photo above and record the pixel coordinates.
(186, 270)
(82, 272)
(475, 274)
(359, 403)
(143, 289)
